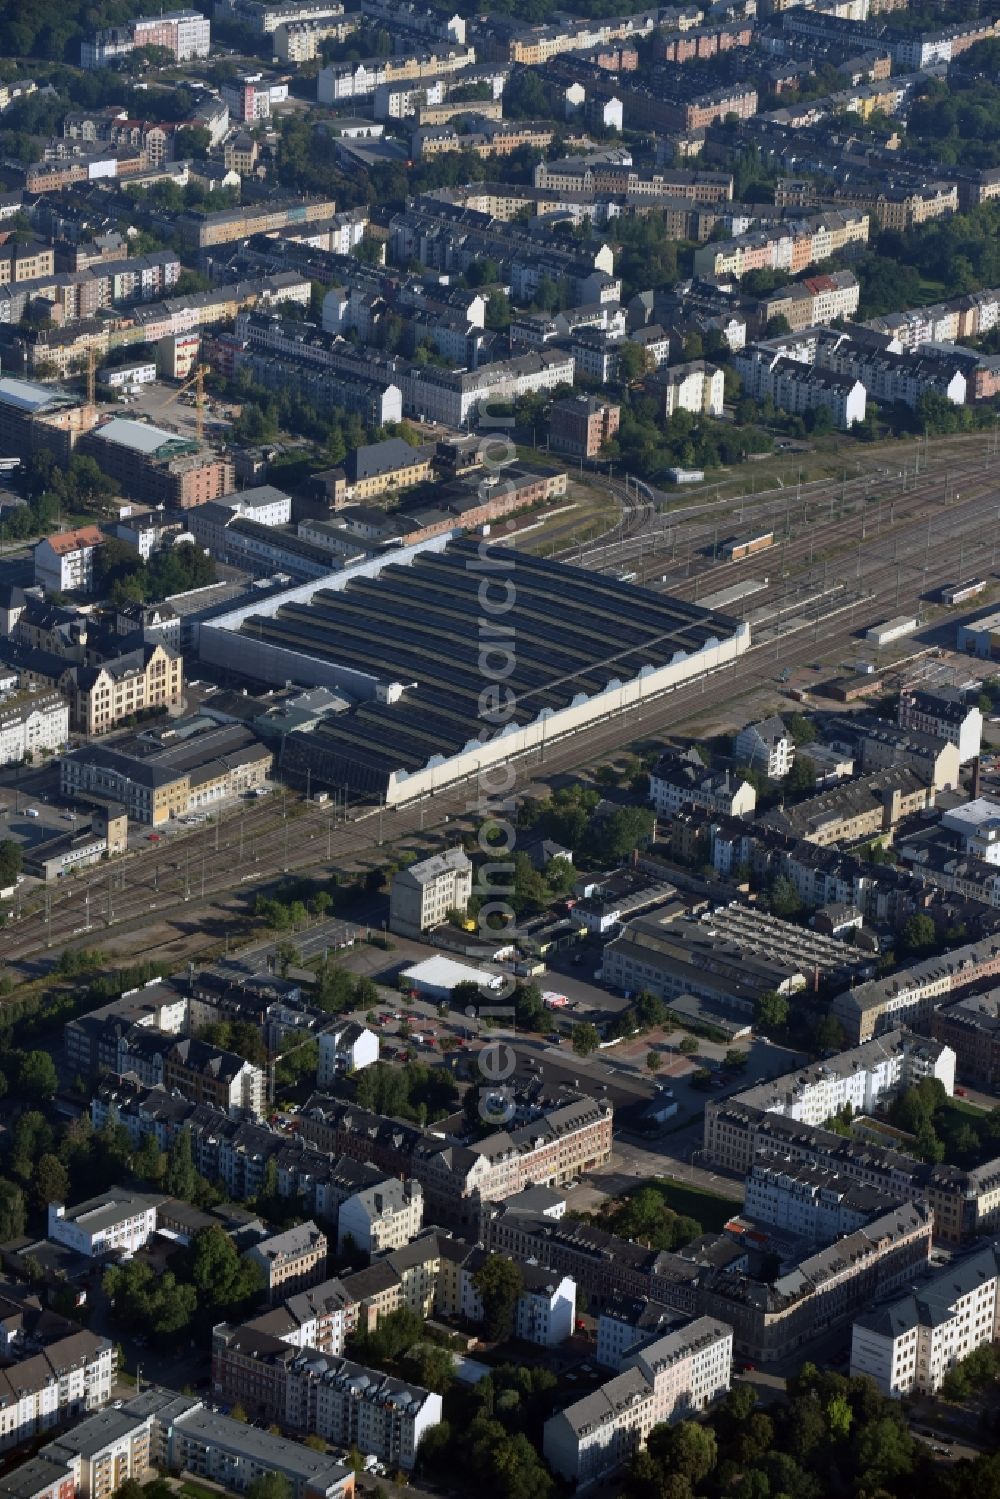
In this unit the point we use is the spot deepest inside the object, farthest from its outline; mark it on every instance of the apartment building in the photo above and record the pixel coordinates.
(159, 465)
(98, 1455)
(798, 387)
(265, 16)
(64, 563)
(422, 894)
(340, 81)
(625, 1323)
(319, 1317)
(206, 1074)
(186, 774)
(62, 1379)
(456, 398)
(867, 1077)
(581, 425)
(302, 41)
(393, 464)
(319, 1394)
(677, 1376)
(118, 1222)
(815, 299)
(855, 810)
(771, 1320)
(681, 779)
(911, 995)
(345, 1048)
(25, 262)
(810, 1203)
(233, 1454)
(766, 746)
(230, 224)
(291, 1261)
(31, 723)
(792, 246)
(971, 1028)
(601, 1264)
(908, 1345)
(551, 1141)
(696, 387)
(945, 713)
(381, 1217)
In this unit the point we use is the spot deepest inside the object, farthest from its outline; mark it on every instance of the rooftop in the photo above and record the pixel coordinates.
(144, 438)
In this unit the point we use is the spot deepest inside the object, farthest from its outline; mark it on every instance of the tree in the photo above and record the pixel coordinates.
(181, 1179)
(802, 729)
(653, 1061)
(839, 1417)
(771, 1011)
(150, 1162)
(634, 362)
(687, 1046)
(11, 862)
(621, 832)
(585, 1039)
(191, 143)
(51, 1181)
(13, 1214)
(802, 776)
(223, 1278)
(435, 1369)
(736, 1059)
(500, 1285)
(784, 899)
(919, 933)
(687, 1448)
(37, 1075)
(650, 1011)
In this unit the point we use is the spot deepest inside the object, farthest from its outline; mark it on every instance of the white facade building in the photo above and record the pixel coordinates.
(31, 723)
(53, 1384)
(676, 1376)
(864, 1077)
(382, 1217)
(119, 1222)
(65, 562)
(697, 387)
(810, 1202)
(977, 823)
(684, 781)
(346, 1048)
(945, 713)
(766, 746)
(907, 1346)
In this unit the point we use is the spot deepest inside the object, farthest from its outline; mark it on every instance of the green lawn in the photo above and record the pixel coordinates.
(191, 1490)
(711, 1211)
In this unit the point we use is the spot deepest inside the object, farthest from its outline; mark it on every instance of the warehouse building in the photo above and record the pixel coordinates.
(408, 638)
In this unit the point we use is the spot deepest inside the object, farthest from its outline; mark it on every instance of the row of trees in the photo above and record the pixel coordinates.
(834, 1438)
(414, 1091)
(209, 1279)
(567, 817)
(122, 576)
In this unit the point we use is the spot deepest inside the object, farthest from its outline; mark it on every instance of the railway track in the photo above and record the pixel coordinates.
(285, 833)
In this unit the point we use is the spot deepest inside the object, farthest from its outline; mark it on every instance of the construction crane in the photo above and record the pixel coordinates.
(197, 379)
